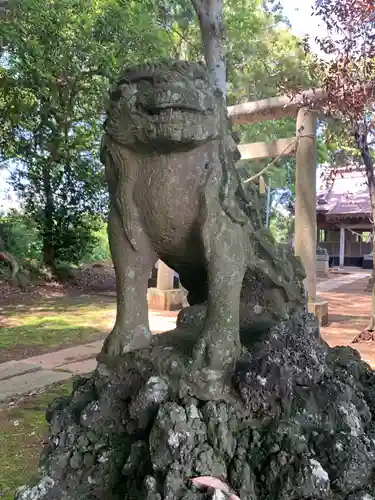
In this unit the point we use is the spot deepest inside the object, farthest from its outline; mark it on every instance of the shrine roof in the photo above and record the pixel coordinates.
(343, 191)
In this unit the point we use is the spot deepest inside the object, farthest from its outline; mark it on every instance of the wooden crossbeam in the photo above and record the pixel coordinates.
(259, 150)
(275, 107)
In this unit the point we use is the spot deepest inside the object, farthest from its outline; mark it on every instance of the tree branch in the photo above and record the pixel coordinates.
(9, 259)
(197, 4)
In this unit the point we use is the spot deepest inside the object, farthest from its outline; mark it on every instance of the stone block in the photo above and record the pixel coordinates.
(322, 267)
(320, 309)
(165, 300)
(368, 262)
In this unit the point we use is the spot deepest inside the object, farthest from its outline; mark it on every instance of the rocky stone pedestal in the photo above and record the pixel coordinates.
(292, 420)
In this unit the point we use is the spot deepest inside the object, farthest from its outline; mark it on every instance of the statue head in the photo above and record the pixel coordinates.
(165, 107)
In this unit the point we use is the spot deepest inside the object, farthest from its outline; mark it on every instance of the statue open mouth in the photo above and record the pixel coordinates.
(159, 108)
(166, 112)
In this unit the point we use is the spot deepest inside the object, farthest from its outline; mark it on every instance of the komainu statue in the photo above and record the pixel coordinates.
(289, 419)
(176, 195)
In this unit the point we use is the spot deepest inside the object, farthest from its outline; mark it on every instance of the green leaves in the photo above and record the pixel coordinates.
(265, 59)
(60, 57)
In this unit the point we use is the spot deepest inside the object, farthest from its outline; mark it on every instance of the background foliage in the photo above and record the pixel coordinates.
(58, 59)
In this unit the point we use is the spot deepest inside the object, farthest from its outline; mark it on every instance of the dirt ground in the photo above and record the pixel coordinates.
(349, 308)
(93, 278)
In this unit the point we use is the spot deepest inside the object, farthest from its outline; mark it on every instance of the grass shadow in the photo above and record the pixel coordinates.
(22, 430)
(44, 325)
(57, 304)
(49, 334)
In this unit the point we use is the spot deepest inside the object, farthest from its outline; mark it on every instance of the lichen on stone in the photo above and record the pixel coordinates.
(297, 436)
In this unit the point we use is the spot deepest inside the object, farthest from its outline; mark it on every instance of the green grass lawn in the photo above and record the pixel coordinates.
(48, 323)
(22, 430)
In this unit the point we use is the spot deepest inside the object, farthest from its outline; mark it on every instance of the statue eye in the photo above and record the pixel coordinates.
(115, 95)
(141, 79)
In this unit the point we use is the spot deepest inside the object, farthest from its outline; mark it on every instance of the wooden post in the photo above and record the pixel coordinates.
(342, 246)
(262, 186)
(305, 209)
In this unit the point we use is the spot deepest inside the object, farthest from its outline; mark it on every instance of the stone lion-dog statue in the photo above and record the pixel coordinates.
(175, 194)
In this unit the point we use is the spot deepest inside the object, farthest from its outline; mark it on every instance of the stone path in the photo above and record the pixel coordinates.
(30, 374)
(341, 280)
(349, 306)
(349, 309)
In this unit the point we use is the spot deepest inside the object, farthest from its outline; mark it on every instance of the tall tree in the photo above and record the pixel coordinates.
(268, 61)
(210, 16)
(49, 105)
(348, 74)
(58, 59)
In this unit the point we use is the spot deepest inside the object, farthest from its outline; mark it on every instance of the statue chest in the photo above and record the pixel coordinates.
(168, 194)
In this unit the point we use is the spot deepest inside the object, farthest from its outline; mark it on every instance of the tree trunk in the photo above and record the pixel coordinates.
(210, 18)
(360, 135)
(9, 259)
(47, 231)
(370, 326)
(4, 8)
(290, 232)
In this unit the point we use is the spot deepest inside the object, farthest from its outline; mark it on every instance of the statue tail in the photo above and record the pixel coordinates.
(231, 185)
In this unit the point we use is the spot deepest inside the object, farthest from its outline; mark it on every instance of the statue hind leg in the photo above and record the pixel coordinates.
(131, 330)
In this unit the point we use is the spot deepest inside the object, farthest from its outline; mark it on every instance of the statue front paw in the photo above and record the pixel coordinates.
(121, 340)
(216, 349)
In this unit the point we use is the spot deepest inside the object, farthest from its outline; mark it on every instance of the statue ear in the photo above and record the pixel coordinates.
(232, 146)
(236, 136)
(217, 93)
(102, 149)
(236, 155)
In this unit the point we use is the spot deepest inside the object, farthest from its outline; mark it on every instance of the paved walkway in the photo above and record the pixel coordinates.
(349, 310)
(341, 280)
(349, 307)
(30, 374)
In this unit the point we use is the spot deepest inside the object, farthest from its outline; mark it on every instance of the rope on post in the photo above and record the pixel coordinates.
(290, 146)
